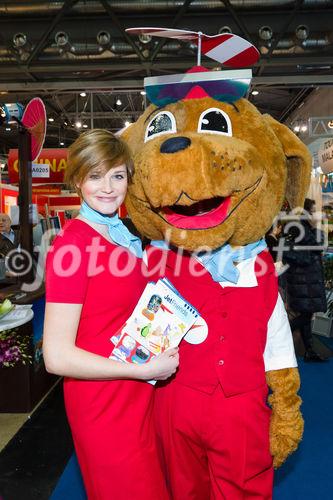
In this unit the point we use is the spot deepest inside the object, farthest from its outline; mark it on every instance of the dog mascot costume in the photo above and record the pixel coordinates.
(211, 173)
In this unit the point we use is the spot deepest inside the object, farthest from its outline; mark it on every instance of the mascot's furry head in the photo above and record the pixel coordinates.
(211, 170)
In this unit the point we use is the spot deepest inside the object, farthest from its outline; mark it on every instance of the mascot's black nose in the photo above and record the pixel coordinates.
(175, 144)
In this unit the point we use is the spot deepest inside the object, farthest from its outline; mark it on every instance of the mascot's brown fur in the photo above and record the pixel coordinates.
(259, 165)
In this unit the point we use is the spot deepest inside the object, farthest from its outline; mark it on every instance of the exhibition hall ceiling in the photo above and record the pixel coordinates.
(58, 50)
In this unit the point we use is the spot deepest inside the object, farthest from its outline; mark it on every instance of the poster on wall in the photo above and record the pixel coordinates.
(9, 202)
(325, 156)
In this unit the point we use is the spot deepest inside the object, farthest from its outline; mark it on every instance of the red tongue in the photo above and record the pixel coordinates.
(201, 221)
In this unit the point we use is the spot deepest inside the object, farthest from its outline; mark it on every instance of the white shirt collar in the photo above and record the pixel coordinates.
(10, 235)
(247, 277)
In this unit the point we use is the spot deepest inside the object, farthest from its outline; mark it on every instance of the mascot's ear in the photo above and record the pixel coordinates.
(131, 136)
(123, 132)
(299, 162)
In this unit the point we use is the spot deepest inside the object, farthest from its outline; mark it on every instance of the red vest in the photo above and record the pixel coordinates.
(232, 354)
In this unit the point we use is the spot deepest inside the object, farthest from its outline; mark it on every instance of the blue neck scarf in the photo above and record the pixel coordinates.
(117, 230)
(220, 262)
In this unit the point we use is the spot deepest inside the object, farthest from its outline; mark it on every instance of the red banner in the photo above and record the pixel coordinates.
(55, 158)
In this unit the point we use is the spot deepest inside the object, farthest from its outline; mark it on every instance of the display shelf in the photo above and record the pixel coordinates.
(22, 386)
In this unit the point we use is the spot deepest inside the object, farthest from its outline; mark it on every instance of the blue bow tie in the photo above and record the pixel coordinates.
(220, 263)
(117, 230)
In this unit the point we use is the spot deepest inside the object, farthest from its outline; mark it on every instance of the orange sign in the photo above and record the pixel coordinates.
(55, 158)
(45, 190)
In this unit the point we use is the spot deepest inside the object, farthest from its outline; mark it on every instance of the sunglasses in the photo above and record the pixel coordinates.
(226, 90)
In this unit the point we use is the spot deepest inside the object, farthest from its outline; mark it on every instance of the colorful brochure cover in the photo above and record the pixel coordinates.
(160, 320)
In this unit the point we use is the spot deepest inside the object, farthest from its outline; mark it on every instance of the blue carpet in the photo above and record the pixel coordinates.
(307, 473)
(70, 485)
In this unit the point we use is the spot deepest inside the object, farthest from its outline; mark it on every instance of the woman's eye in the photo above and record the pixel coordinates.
(162, 123)
(119, 176)
(215, 121)
(94, 176)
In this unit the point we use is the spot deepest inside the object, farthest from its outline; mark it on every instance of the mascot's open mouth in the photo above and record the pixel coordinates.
(203, 214)
(200, 215)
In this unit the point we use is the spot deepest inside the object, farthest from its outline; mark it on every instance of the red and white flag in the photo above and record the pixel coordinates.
(228, 49)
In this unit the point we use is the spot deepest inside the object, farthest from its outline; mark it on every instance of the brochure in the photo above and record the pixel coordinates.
(159, 321)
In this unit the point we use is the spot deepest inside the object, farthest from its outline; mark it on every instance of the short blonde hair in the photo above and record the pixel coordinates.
(91, 149)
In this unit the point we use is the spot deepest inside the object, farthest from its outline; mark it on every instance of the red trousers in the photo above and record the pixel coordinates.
(113, 430)
(213, 447)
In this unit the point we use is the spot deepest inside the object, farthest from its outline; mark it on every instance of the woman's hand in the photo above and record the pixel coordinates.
(162, 366)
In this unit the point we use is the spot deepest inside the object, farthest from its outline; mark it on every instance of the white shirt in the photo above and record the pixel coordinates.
(279, 350)
(10, 235)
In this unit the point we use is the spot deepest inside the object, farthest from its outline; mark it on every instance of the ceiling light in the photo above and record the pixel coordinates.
(255, 92)
(330, 124)
(61, 38)
(103, 38)
(118, 102)
(304, 128)
(78, 124)
(225, 29)
(265, 32)
(8, 129)
(297, 128)
(145, 38)
(19, 40)
(302, 32)
(143, 92)
(51, 119)
(85, 125)
(127, 123)
(62, 143)
(83, 94)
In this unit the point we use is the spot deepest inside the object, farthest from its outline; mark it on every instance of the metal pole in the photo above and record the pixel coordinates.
(91, 110)
(25, 198)
(199, 49)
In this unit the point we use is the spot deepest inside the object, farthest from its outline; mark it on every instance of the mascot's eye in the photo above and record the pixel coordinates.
(162, 123)
(215, 121)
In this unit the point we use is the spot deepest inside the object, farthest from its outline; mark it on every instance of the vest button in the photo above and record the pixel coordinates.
(221, 362)
(224, 314)
(222, 338)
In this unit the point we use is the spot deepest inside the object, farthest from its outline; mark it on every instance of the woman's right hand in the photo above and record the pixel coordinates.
(163, 365)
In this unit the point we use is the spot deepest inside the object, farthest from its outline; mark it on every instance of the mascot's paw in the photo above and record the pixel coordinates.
(287, 424)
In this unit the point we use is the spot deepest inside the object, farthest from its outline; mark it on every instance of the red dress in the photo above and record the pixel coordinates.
(111, 421)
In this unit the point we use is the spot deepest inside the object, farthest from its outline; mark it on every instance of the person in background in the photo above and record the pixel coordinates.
(109, 404)
(8, 237)
(272, 239)
(37, 232)
(304, 278)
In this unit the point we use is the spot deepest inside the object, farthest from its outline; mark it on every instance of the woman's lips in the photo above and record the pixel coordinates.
(105, 199)
(200, 221)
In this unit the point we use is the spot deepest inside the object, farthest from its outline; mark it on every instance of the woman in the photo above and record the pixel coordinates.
(304, 278)
(272, 240)
(93, 282)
